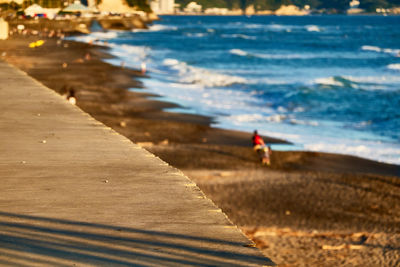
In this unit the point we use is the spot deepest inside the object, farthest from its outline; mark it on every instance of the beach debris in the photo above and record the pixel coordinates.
(79, 60)
(147, 134)
(59, 42)
(87, 56)
(143, 144)
(44, 142)
(343, 246)
(122, 124)
(23, 162)
(38, 115)
(66, 45)
(64, 65)
(3, 54)
(204, 140)
(164, 142)
(287, 212)
(251, 245)
(105, 181)
(224, 174)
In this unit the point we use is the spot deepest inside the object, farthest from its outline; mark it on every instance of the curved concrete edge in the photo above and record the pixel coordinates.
(76, 192)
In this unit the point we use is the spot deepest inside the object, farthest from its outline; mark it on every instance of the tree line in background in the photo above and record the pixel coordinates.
(332, 6)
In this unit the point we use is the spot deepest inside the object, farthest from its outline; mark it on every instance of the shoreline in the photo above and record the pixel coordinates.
(302, 192)
(308, 131)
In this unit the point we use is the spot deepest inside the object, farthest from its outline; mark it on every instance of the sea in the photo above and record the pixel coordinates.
(328, 83)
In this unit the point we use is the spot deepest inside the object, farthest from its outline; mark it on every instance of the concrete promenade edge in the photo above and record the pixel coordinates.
(73, 192)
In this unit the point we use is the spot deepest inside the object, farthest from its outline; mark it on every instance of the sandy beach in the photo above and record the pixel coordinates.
(306, 209)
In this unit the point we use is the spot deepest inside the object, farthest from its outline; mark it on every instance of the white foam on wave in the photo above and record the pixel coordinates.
(201, 100)
(370, 150)
(383, 82)
(369, 83)
(331, 81)
(240, 36)
(105, 35)
(277, 55)
(96, 37)
(388, 79)
(132, 55)
(304, 122)
(238, 52)
(202, 77)
(278, 27)
(371, 48)
(313, 28)
(258, 118)
(391, 51)
(157, 28)
(393, 66)
(197, 35)
(253, 26)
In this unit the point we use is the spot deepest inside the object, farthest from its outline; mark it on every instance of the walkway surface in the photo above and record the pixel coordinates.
(73, 192)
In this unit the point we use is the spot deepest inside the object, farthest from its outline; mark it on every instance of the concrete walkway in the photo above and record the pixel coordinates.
(73, 192)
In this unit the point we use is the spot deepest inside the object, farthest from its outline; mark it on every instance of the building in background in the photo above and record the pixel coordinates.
(193, 8)
(354, 7)
(163, 6)
(91, 4)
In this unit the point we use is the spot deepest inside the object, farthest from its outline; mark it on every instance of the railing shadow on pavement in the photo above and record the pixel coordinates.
(26, 239)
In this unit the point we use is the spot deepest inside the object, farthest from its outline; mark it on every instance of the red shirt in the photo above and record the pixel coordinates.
(257, 140)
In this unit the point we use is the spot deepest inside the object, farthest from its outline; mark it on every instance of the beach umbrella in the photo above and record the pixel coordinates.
(34, 9)
(76, 7)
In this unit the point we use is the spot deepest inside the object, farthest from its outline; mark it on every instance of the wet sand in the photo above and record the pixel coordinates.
(307, 209)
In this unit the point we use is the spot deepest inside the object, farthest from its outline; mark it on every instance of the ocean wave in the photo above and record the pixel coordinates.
(278, 27)
(374, 83)
(258, 118)
(205, 78)
(374, 151)
(197, 35)
(104, 35)
(253, 26)
(373, 79)
(238, 52)
(391, 51)
(393, 66)
(371, 48)
(157, 28)
(361, 83)
(330, 81)
(96, 37)
(303, 122)
(240, 36)
(132, 55)
(313, 28)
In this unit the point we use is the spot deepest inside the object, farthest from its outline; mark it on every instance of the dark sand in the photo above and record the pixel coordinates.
(307, 209)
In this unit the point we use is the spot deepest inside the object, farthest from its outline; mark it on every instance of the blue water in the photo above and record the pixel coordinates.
(325, 83)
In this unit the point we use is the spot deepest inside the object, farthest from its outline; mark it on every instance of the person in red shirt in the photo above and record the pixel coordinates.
(257, 140)
(262, 150)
